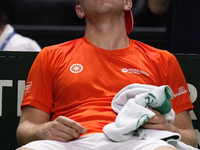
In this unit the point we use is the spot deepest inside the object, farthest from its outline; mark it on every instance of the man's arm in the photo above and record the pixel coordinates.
(36, 125)
(182, 125)
(158, 7)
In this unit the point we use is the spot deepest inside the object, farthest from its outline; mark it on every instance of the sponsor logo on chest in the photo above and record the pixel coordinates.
(134, 71)
(77, 68)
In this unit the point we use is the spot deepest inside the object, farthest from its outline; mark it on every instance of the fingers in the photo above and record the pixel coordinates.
(156, 112)
(64, 129)
(156, 122)
(153, 126)
(58, 135)
(72, 124)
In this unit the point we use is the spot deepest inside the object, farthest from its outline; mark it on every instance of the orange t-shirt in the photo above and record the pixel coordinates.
(78, 80)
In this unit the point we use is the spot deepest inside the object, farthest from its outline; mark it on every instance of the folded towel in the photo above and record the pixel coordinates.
(145, 95)
(132, 103)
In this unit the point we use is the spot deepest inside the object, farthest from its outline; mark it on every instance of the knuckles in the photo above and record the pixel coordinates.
(55, 124)
(56, 131)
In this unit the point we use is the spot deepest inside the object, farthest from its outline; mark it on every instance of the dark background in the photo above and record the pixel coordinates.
(51, 22)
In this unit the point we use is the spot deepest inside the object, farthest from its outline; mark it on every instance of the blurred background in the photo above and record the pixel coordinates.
(50, 22)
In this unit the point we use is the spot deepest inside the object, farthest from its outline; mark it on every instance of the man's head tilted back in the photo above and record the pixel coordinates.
(128, 20)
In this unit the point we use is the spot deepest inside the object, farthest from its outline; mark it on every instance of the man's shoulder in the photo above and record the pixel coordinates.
(65, 45)
(153, 52)
(61, 50)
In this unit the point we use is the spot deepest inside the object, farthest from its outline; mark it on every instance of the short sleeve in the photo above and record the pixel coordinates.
(38, 92)
(171, 74)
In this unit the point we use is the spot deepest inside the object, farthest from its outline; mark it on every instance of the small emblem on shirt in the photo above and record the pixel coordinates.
(76, 68)
(28, 87)
(181, 90)
(134, 71)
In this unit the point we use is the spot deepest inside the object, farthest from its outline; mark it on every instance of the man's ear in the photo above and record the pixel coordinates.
(79, 11)
(127, 5)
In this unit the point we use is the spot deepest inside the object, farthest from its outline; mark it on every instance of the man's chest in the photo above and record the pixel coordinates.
(99, 76)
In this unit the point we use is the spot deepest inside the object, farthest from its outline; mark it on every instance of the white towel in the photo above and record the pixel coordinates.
(144, 94)
(132, 103)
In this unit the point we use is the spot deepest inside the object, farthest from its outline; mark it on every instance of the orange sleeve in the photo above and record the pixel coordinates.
(171, 74)
(38, 92)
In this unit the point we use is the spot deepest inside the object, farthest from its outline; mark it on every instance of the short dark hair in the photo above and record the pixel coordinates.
(3, 16)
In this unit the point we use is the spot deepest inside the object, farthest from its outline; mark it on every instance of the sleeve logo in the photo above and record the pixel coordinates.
(181, 90)
(28, 87)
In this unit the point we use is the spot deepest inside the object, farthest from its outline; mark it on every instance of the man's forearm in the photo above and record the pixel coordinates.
(28, 132)
(62, 129)
(182, 125)
(188, 136)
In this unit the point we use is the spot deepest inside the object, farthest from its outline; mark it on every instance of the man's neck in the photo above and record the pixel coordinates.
(107, 35)
(2, 29)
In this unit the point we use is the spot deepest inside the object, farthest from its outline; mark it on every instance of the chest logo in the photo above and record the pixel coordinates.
(134, 71)
(76, 68)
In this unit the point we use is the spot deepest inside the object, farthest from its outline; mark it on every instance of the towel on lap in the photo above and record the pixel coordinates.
(132, 103)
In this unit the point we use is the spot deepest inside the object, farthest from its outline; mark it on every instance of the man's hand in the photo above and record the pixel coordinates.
(35, 125)
(158, 122)
(61, 129)
(182, 125)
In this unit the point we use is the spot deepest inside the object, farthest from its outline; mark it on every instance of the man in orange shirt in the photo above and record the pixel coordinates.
(70, 86)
